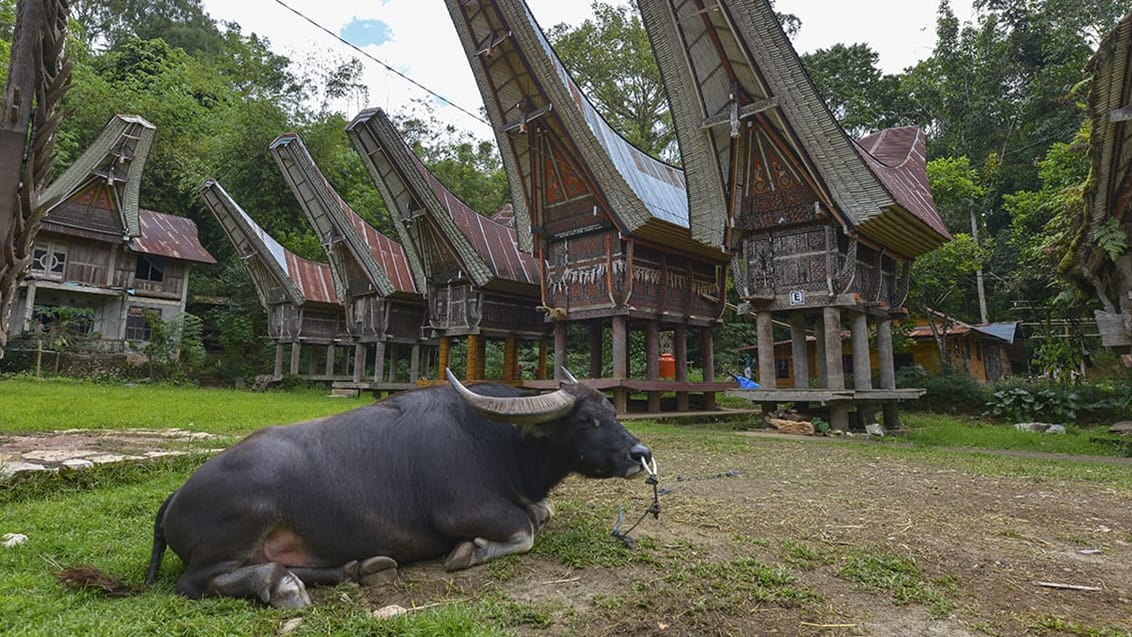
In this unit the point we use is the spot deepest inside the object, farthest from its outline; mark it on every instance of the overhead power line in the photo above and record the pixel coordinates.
(382, 63)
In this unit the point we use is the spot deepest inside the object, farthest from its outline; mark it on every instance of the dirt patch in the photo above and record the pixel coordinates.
(884, 545)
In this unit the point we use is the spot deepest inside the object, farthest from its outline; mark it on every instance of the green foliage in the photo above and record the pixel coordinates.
(64, 328)
(950, 391)
(938, 431)
(1020, 404)
(862, 99)
(175, 348)
(1112, 238)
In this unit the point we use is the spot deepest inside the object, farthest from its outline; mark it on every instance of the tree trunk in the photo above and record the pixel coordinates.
(37, 80)
(979, 273)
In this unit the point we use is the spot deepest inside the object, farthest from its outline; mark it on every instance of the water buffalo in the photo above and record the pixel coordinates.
(432, 472)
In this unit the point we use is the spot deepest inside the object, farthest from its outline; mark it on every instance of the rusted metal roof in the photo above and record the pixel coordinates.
(338, 225)
(496, 243)
(299, 279)
(898, 157)
(485, 249)
(314, 279)
(169, 236)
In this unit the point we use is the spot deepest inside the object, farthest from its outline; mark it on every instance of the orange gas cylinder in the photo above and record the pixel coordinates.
(667, 366)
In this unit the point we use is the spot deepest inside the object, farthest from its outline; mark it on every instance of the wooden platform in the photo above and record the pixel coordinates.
(824, 396)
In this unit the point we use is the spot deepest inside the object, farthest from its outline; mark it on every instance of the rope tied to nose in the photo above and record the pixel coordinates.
(654, 508)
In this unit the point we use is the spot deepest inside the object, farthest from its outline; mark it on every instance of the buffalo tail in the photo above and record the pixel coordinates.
(158, 541)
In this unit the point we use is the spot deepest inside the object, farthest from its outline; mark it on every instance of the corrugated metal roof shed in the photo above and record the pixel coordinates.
(169, 236)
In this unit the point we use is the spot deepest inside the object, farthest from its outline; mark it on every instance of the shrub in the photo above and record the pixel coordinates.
(953, 392)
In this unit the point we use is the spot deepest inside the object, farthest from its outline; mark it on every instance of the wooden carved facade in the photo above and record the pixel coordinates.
(298, 295)
(1108, 197)
(817, 223)
(608, 223)
(385, 311)
(479, 284)
(98, 250)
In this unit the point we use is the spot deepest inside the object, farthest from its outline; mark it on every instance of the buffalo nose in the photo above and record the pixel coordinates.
(640, 452)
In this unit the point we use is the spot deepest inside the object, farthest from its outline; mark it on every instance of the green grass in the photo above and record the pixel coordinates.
(935, 430)
(45, 405)
(880, 571)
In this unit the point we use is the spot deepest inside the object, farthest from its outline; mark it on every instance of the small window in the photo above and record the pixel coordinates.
(137, 324)
(151, 267)
(49, 260)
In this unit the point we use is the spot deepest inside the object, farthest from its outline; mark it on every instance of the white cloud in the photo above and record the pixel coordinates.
(425, 47)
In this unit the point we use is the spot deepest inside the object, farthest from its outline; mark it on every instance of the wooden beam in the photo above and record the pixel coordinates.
(745, 111)
(1120, 114)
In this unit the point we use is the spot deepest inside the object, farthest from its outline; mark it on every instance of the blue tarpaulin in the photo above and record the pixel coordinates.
(744, 382)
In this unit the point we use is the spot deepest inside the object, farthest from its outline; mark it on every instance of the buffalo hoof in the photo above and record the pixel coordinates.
(462, 557)
(376, 570)
(289, 592)
(540, 512)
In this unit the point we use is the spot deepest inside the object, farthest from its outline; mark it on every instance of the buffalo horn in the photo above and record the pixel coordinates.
(568, 376)
(522, 410)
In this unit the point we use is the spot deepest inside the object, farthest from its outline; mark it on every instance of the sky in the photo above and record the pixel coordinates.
(416, 37)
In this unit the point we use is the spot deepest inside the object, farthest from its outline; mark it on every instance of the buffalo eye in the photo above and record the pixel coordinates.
(597, 422)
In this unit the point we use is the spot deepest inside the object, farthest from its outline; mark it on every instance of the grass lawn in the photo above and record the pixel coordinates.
(30, 405)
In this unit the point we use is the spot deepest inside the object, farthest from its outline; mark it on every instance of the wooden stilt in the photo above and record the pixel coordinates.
(680, 352)
(296, 355)
(394, 351)
(542, 356)
(862, 367)
(620, 362)
(652, 361)
(379, 361)
(278, 371)
(597, 332)
(442, 358)
(707, 346)
(559, 348)
(415, 363)
(510, 358)
(475, 353)
(359, 362)
(330, 353)
(312, 359)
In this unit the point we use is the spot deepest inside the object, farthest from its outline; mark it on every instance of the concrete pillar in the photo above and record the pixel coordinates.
(278, 371)
(596, 345)
(799, 351)
(559, 349)
(680, 352)
(510, 358)
(707, 347)
(652, 361)
(415, 363)
(862, 369)
(379, 362)
(765, 334)
(296, 353)
(831, 334)
(819, 348)
(442, 358)
(835, 370)
(359, 362)
(887, 371)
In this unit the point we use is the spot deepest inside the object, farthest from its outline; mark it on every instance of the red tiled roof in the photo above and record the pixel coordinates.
(169, 236)
(897, 157)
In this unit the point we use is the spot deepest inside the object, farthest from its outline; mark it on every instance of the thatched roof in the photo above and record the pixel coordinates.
(486, 249)
(1108, 195)
(521, 79)
(337, 225)
(732, 61)
(279, 275)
